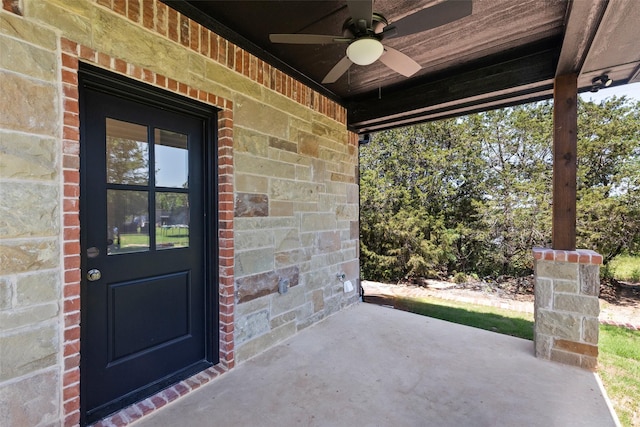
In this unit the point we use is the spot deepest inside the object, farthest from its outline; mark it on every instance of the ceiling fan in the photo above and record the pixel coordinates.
(365, 30)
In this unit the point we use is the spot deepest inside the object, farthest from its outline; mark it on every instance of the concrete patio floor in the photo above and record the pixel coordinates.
(374, 366)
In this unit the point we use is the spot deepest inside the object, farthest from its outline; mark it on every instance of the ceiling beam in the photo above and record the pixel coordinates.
(582, 23)
(496, 80)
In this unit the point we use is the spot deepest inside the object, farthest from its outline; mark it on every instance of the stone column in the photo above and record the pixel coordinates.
(567, 284)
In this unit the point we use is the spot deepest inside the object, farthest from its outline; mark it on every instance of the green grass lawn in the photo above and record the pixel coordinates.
(170, 238)
(619, 360)
(626, 268)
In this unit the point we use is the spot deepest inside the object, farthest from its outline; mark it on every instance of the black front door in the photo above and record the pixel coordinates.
(146, 301)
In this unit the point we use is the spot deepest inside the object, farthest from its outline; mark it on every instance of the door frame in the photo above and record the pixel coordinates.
(97, 79)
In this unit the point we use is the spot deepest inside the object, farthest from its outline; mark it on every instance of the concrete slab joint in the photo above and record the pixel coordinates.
(567, 284)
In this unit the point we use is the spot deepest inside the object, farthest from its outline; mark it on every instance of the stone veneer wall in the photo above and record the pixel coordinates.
(567, 285)
(288, 205)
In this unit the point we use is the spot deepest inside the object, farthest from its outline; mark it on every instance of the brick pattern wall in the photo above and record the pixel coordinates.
(567, 284)
(158, 17)
(72, 53)
(275, 122)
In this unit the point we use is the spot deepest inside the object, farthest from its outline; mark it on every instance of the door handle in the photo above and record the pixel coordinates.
(93, 275)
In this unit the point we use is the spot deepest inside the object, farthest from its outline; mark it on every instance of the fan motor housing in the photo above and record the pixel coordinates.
(351, 29)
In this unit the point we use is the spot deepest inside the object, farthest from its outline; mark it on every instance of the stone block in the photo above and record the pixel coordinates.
(31, 401)
(37, 288)
(318, 222)
(353, 194)
(257, 115)
(295, 297)
(308, 144)
(70, 22)
(254, 261)
(292, 257)
(242, 224)
(317, 297)
(292, 274)
(251, 183)
(247, 163)
(262, 342)
(557, 270)
(589, 362)
(285, 189)
(34, 107)
(565, 357)
(542, 345)
(354, 230)
(579, 304)
(250, 205)
(303, 173)
(31, 157)
(589, 279)
(28, 351)
(248, 307)
(351, 269)
(318, 170)
(112, 35)
(256, 286)
(22, 256)
(284, 318)
(246, 240)
(280, 208)
(282, 144)
(566, 286)
(590, 330)
(27, 59)
(6, 293)
(286, 239)
(29, 209)
(576, 347)
(24, 317)
(28, 31)
(347, 212)
(543, 294)
(299, 114)
(328, 241)
(559, 325)
(251, 326)
(248, 141)
(333, 132)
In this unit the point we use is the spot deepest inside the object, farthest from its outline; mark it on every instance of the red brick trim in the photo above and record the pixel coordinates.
(72, 54)
(12, 6)
(580, 256)
(169, 23)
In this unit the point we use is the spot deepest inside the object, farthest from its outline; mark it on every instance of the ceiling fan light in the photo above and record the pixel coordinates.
(365, 51)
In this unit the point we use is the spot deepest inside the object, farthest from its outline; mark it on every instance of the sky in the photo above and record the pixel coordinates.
(631, 90)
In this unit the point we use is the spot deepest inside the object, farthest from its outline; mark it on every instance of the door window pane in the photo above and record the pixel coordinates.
(127, 221)
(172, 216)
(127, 153)
(172, 159)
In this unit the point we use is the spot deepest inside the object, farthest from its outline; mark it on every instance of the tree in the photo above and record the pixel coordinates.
(608, 206)
(473, 194)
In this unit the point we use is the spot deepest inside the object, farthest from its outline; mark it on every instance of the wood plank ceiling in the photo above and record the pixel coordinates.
(506, 52)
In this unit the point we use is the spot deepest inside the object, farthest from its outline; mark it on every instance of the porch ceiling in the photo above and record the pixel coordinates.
(506, 52)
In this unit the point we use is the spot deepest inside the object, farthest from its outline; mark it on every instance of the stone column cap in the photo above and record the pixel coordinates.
(579, 256)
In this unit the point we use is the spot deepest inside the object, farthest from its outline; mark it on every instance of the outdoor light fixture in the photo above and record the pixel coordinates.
(600, 82)
(365, 51)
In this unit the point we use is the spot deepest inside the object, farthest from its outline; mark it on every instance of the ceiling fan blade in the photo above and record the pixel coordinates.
(432, 17)
(307, 39)
(361, 10)
(337, 71)
(399, 62)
